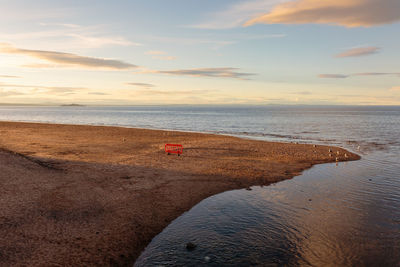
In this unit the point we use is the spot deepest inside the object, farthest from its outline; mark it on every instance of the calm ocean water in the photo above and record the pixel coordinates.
(344, 215)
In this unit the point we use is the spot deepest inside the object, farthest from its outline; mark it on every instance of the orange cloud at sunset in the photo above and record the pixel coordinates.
(348, 13)
(67, 59)
(359, 51)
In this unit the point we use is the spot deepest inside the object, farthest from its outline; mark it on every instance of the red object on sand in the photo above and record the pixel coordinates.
(173, 149)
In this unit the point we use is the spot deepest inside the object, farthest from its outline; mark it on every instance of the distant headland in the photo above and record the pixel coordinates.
(72, 105)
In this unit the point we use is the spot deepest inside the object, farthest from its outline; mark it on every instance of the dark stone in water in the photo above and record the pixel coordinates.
(190, 246)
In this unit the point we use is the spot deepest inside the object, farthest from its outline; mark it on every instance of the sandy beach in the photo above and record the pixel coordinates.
(90, 195)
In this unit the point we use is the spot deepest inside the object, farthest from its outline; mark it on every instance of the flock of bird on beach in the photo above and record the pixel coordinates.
(330, 151)
(337, 153)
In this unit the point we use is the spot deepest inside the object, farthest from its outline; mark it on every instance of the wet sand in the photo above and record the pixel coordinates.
(91, 195)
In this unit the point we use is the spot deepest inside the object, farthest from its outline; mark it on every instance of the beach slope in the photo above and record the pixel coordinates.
(89, 195)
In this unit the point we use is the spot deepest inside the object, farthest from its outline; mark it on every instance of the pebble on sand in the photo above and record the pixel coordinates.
(190, 246)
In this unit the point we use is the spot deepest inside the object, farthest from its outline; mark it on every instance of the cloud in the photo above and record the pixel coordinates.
(46, 89)
(360, 51)
(61, 90)
(40, 66)
(6, 93)
(68, 59)
(66, 25)
(169, 92)
(96, 41)
(348, 13)
(154, 52)
(68, 35)
(376, 73)
(145, 85)
(236, 15)
(97, 93)
(303, 93)
(9, 76)
(206, 72)
(164, 57)
(395, 88)
(38, 89)
(191, 41)
(215, 40)
(334, 76)
(260, 36)
(160, 55)
(342, 76)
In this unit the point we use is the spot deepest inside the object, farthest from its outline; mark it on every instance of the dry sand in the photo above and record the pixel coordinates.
(86, 195)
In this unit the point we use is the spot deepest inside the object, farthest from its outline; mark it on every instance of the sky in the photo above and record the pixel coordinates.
(200, 52)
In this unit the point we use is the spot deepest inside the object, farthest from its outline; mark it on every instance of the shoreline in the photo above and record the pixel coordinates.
(245, 137)
(97, 195)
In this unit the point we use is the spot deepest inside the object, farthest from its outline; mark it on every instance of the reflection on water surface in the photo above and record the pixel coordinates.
(331, 215)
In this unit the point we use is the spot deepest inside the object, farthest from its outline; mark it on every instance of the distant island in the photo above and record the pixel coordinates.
(72, 105)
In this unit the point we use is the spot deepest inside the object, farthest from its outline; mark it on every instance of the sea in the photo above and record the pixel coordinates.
(345, 214)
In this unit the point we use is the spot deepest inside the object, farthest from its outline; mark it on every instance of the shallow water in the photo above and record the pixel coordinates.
(345, 215)
(342, 215)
